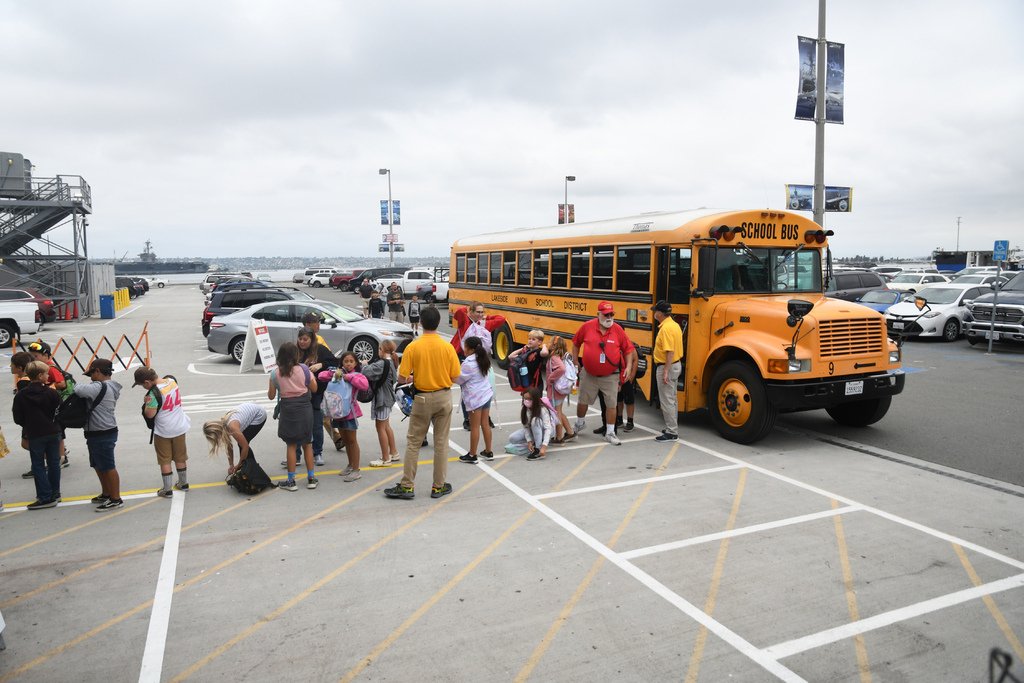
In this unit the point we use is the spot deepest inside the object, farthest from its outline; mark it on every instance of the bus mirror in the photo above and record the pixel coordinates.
(798, 308)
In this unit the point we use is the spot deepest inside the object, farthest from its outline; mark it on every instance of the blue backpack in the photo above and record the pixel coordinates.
(338, 397)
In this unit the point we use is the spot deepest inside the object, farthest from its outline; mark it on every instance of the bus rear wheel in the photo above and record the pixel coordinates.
(738, 403)
(860, 413)
(503, 345)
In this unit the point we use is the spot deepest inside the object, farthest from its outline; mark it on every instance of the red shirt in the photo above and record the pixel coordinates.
(616, 346)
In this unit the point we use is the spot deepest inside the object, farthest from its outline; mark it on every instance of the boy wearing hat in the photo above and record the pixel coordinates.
(42, 352)
(170, 426)
(101, 431)
(668, 354)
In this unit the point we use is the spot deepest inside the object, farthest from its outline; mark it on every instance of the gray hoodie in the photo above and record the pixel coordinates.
(102, 417)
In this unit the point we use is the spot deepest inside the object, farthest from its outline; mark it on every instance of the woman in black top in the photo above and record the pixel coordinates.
(317, 357)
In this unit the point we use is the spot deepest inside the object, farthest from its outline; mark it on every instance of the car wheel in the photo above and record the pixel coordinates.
(365, 349)
(951, 330)
(738, 403)
(860, 413)
(160, 285)
(7, 334)
(236, 348)
(317, 283)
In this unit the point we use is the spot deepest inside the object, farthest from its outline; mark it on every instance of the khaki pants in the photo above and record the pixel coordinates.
(667, 396)
(428, 408)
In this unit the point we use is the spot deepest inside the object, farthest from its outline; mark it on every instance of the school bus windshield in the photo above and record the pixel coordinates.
(767, 270)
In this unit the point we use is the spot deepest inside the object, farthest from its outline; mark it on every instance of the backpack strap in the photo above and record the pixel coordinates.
(95, 402)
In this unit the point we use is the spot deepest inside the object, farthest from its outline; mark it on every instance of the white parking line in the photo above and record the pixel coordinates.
(753, 529)
(635, 482)
(798, 645)
(160, 615)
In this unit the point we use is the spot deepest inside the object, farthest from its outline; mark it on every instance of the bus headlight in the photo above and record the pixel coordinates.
(894, 356)
(784, 366)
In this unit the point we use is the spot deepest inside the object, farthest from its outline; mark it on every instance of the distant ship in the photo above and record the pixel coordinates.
(149, 265)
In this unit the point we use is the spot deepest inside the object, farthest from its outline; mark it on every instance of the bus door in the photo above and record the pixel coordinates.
(673, 285)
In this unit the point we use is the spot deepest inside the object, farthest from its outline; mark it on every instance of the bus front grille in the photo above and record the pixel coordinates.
(854, 337)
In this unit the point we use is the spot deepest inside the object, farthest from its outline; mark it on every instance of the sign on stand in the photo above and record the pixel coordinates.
(257, 340)
(999, 253)
(1000, 250)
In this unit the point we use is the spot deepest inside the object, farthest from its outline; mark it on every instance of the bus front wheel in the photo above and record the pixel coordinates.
(860, 413)
(503, 345)
(738, 403)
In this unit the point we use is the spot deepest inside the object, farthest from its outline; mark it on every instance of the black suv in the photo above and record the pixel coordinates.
(236, 298)
(1009, 314)
(850, 285)
(388, 272)
(134, 288)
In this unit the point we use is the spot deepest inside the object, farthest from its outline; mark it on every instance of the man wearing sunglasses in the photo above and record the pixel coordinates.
(608, 360)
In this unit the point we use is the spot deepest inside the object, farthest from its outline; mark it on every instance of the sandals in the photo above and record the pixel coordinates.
(381, 463)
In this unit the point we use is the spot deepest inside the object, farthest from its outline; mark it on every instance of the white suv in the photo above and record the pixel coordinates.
(321, 278)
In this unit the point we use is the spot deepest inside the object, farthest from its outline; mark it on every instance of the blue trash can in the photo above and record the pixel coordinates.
(107, 306)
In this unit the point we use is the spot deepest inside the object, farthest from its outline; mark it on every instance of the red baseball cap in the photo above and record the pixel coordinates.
(605, 307)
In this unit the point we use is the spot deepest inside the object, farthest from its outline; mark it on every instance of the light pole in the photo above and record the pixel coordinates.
(568, 179)
(391, 219)
(958, 219)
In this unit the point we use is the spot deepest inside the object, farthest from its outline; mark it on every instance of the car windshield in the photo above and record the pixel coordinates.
(909, 279)
(939, 295)
(340, 312)
(879, 296)
(972, 279)
(766, 270)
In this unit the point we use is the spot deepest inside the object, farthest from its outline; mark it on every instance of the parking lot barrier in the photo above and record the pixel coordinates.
(121, 298)
(121, 352)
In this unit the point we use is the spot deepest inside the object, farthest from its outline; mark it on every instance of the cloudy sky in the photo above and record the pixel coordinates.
(256, 127)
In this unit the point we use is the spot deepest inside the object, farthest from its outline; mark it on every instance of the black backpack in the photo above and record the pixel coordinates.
(250, 478)
(520, 375)
(158, 397)
(366, 395)
(74, 411)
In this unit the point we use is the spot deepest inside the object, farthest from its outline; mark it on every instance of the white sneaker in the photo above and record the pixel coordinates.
(580, 425)
(612, 439)
(319, 462)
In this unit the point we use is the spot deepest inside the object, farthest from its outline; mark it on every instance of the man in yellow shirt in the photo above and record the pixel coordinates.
(431, 364)
(668, 352)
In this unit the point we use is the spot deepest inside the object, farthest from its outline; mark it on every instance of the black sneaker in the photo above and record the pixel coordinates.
(399, 491)
(468, 458)
(41, 504)
(64, 464)
(288, 485)
(28, 475)
(180, 486)
(424, 444)
(110, 504)
(629, 426)
(490, 422)
(57, 497)
(465, 425)
(601, 430)
(436, 492)
(99, 499)
(665, 436)
(487, 455)
(536, 455)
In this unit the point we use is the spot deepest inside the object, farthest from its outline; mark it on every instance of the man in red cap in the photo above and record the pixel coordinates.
(608, 360)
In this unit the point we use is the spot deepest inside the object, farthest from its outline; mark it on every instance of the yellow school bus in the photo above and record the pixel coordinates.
(746, 286)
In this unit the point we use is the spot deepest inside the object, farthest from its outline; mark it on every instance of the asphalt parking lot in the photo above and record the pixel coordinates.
(791, 559)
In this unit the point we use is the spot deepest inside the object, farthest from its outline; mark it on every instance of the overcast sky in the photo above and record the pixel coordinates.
(258, 127)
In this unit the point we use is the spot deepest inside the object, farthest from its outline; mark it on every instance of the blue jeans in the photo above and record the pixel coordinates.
(45, 454)
(318, 432)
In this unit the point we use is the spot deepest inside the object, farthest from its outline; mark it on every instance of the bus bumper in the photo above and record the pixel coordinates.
(821, 393)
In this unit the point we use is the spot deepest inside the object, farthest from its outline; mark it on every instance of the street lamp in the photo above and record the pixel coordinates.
(568, 179)
(391, 219)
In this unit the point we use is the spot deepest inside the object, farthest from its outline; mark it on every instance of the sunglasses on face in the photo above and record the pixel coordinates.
(607, 315)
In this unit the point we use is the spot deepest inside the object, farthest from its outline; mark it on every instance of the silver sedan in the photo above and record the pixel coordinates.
(342, 328)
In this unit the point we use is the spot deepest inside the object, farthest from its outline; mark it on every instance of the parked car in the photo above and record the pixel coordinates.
(342, 279)
(134, 288)
(881, 299)
(235, 298)
(299, 277)
(973, 270)
(342, 328)
(324, 270)
(264, 277)
(322, 279)
(18, 319)
(141, 281)
(213, 278)
(431, 284)
(943, 317)
(236, 282)
(888, 271)
(157, 282)
(44, 303)
(912, 282)
(996, 281)
(851, 285)
(1009, 314)
(393, 272)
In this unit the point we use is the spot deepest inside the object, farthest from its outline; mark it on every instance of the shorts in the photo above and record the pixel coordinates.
(101, 450)
(486, 406)
(591, 386)
(414, 319)
(557, 399)
(627, 393)
(346, 424)
(382, 414)
(170, 448)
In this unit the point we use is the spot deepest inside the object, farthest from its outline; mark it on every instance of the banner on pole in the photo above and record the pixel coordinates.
(837, 199)
(561, 214)
(383, 212)
(807, 92)
(835, 75)
(396, 212)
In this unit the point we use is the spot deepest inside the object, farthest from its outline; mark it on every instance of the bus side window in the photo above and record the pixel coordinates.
(679, 275)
